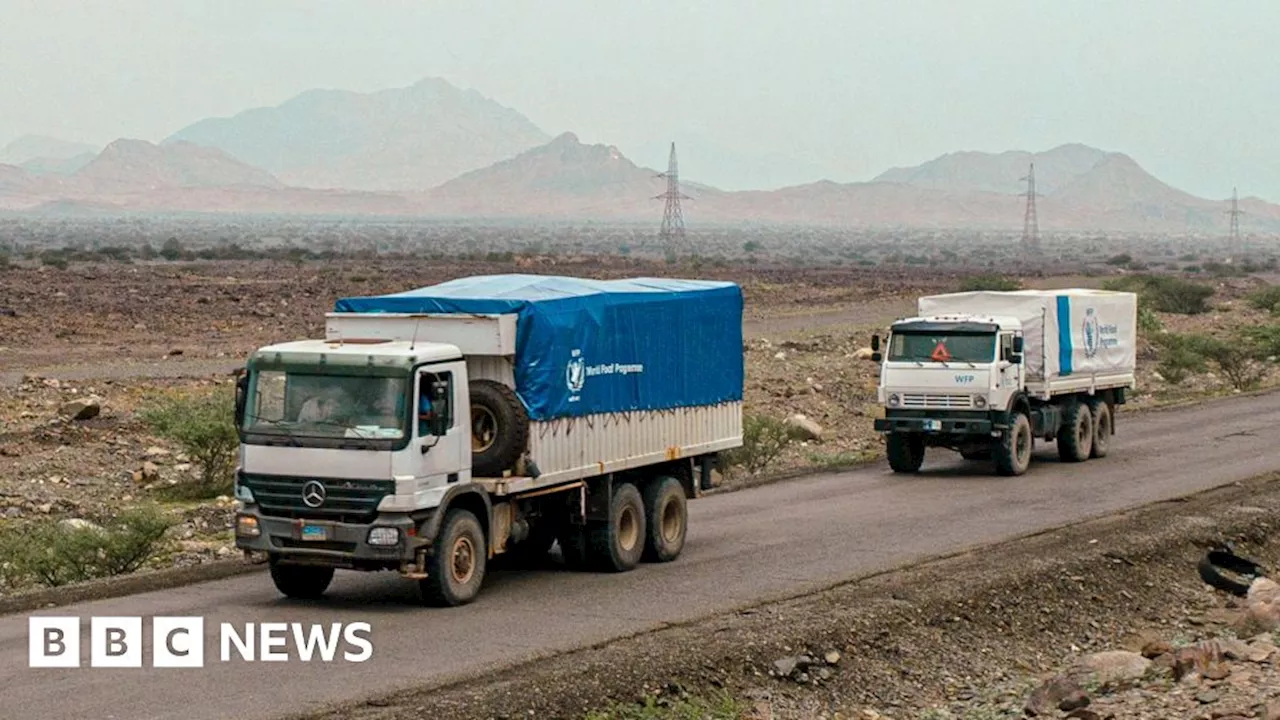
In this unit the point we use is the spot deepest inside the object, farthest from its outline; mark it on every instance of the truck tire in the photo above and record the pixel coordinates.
(301, 582)
(1102, 428)
(455, 570)
(1013, 451)
(906, 452)
(1075, 438)
(617, 544)
(499, 428)
(666, 515)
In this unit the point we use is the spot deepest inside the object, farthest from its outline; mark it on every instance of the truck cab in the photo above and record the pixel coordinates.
(950, 363)
(346, 449)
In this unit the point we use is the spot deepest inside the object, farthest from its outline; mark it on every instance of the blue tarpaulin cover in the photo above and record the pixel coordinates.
(600, 346)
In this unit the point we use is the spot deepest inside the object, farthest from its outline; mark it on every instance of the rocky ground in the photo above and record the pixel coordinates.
(82, 348)
(1107, 619)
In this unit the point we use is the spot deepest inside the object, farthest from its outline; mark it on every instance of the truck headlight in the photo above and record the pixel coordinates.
(894, 400)
(247, 526)
(979, 401)
(384, 536)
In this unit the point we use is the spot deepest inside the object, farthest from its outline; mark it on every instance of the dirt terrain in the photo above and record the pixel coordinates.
(120, 333)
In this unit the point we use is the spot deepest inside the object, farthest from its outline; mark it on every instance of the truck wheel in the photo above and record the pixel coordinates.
(499, 428)
(455, 570)
(906, 452)
(1075, 439)
(666, 519)
(1101, 428)
(1013, 452)
(617, 544)
(301, 582)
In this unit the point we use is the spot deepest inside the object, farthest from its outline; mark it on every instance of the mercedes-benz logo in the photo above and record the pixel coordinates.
(313, 494)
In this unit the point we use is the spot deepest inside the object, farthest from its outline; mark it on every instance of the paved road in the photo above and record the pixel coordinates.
(742, 547)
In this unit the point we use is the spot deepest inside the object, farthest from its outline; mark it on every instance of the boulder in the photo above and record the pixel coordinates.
(804, 428)
(81, 408)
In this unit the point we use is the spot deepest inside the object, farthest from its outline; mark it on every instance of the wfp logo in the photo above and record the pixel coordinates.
(575, 373)
(1091, 331)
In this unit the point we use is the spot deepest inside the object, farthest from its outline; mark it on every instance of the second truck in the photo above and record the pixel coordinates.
(988, 373)
(433, 430)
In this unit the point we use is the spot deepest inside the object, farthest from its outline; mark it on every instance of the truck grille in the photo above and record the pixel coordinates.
(353, 501)
(938, 400)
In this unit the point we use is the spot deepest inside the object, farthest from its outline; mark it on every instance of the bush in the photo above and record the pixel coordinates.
(1148, 322)
(1180, 356)
(52, 553)
(1120, 260)
(764, 438)
(1267, 298)
(992, 283)
(1165, 294)
(204, 426)
(1238, 359)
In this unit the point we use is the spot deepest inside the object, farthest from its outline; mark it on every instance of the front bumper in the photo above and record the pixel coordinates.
(323, 542)
(941, 423)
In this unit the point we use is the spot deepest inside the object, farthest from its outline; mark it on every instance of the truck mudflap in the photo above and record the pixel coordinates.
(388, 541)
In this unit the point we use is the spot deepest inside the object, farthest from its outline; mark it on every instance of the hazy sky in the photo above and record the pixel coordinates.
(1189, 89)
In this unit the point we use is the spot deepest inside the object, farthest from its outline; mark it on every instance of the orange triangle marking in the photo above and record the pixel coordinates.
(940, 353)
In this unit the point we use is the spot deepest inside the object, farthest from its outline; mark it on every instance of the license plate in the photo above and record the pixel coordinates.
(932, 424)
(314, 532)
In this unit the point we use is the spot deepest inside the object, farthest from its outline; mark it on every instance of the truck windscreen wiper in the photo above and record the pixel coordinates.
(293, 439)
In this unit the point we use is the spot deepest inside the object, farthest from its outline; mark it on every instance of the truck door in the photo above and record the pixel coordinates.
(441, 438)
(1010, 372)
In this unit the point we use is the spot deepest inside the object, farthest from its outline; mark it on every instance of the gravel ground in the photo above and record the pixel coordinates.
(972, 636)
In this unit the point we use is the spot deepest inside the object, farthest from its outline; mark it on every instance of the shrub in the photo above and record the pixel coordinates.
(1267, 298)
(764, 438)
(1148, 322)
(52, 553)
(990, 283)
(204, 426)
(1180, 356)
(1165, 294)
(1237, 359)
(1120, 260)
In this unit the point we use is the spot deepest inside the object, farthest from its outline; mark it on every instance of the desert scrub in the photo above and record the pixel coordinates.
(719, 707)
(764, 439)
(990, 283)
(203, 425)
(1241, 360)
(1165, 294)
(53, 553)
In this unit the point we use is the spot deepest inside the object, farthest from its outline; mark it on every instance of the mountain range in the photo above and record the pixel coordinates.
(433, 150)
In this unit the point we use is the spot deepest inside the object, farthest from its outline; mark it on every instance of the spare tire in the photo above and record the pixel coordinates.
(499, 428)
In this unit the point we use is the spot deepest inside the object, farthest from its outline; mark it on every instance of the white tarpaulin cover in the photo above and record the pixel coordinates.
(1066, 333)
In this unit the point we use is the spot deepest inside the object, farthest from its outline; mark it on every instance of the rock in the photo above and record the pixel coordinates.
(1114, 667)
(1083, 714)
(804, 428)
(1049, 696)
(1260, 652)
(832, 657)
(1217, 671)
(783, 667)
(78, 524)
(1155, 649)
(1208, 697)
(1074, 701)
(81, 409)
(864, 353)
(155, 452)
(150, 472)
(1271, 711)
(9, 451)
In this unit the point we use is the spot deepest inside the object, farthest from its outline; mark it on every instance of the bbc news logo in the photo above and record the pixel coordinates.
(179, 642)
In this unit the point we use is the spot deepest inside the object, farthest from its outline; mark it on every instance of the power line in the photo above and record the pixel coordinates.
(1031, 223)
(672, 233)
(1234, 241)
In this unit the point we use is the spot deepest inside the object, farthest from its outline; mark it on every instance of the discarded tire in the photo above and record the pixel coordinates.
(1213, 564)
(499, 428)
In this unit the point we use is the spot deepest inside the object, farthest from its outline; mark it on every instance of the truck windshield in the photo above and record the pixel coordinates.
(300, 405)
(943, 347)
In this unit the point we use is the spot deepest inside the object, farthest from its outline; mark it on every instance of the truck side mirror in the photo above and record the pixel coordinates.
(875, 342)
(1017, 344)
(242, 389)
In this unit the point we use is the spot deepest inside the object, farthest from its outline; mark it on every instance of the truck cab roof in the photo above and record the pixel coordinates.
(358, 352)
(958, 323)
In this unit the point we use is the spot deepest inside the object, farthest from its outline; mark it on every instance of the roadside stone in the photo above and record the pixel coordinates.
(1208, 697)
(804, 428)
(81, 408)
(1050, 695)
(1113, 667)
(832, 657)
(1217, 671)
(783, 667)
(1155, 649)
(1260, 652)
(150, 472)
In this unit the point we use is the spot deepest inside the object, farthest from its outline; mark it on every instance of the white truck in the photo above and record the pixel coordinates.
(987, 373)
(435, 429)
